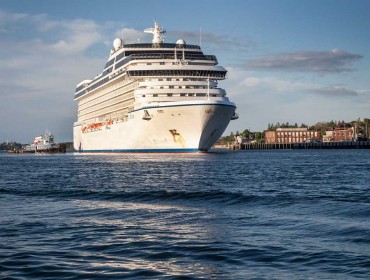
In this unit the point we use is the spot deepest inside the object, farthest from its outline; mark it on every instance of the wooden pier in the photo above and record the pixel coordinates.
(301, 146)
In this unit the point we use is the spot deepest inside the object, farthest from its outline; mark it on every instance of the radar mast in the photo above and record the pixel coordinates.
(157, 32)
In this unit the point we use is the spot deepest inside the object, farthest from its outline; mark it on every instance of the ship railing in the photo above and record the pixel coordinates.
(172, 56)
(218, 75)
(163, 45)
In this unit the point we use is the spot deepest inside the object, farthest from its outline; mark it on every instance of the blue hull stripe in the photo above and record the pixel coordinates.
(190, 150)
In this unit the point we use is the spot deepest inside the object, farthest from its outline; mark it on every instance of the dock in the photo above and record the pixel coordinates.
(301, 146)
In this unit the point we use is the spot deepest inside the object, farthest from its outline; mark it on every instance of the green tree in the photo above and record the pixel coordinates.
(258, 136)
(245, 133)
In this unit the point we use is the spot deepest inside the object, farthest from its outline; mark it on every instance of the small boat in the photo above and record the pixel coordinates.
(42, 144)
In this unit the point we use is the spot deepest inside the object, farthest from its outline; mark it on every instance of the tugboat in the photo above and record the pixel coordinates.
(43, 144)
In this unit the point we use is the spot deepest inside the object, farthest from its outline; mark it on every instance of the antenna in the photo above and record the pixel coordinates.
(200, 36)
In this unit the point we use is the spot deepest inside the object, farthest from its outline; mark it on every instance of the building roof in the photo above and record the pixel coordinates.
(292, 129)
(342, 126)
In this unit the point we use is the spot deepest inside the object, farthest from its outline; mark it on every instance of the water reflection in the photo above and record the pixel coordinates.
(166, 239)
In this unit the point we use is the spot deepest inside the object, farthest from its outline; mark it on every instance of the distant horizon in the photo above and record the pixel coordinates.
(287, 61)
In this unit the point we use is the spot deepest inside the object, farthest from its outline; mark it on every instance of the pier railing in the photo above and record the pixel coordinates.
(301, 146)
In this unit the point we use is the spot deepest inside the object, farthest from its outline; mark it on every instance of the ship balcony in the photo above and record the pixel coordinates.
(213, 74)
(178, 98)
(164, 101)
(167, 82)
(178, 91)
(192, 67)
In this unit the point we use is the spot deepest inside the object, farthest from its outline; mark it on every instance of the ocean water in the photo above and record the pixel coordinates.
(277, 214)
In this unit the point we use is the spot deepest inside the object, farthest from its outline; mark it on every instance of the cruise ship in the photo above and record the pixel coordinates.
(153, 97)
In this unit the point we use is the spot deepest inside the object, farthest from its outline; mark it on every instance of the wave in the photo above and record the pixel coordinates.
(218, 197)
(146, 196)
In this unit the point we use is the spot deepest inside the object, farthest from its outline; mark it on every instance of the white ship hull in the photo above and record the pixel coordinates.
(171, 127)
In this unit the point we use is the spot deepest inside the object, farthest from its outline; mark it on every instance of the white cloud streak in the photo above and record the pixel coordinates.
(334, 61)
(334, 92)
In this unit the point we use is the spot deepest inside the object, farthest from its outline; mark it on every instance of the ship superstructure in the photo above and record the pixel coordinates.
(160, 97)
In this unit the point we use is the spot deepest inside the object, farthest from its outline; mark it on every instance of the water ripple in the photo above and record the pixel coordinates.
(253, 215)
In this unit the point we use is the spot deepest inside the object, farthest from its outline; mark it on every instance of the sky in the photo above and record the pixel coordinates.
(288, 61)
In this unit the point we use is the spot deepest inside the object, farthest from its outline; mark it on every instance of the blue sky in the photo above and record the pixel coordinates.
(287, 61)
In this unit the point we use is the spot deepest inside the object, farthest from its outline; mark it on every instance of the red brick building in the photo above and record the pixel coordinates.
(291, 135)
(343, 132)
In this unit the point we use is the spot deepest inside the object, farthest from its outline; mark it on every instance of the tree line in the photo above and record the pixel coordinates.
(5, 146)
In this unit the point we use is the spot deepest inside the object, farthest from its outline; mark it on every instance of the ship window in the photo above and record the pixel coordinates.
(160, 87)
(182, 94)
(143, 95)
(148, 63)
(122, 62)
(171, 87)
(155, 95)
(109, 63)
(169, 94)
(160, 79)
(214, 95)
(120, 56)
(161, 63)
(200, 94)
(190, 94)
(168, 79)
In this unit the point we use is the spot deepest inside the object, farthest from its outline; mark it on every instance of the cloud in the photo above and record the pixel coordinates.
(6, 17)
(63, 37)
(131, 35)
(40, 66)
(269, 99)
(79, 36)
(209, 38)
(334, 61)
(242, 82)
(334, 91)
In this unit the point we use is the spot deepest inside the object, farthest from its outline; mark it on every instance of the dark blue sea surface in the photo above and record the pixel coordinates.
(277, 214)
